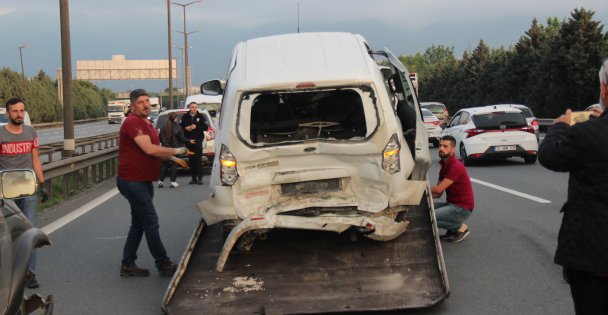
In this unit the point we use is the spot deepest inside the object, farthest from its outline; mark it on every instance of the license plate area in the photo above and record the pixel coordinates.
(501, 148)
(311, 187)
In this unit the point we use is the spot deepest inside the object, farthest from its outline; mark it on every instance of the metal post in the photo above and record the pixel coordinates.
(66, 63)
(21, 57)
(170, 54)
(186, 74)
(183, 70)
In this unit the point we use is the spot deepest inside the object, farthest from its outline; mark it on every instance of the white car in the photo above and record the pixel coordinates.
(530, 118)
(209, 149)
(492, 132)
(433, 126)
(4, 118)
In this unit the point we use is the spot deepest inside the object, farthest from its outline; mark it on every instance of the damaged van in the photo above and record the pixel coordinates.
(313, 134)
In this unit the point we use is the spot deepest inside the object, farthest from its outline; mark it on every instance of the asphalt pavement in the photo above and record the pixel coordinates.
(505, 266)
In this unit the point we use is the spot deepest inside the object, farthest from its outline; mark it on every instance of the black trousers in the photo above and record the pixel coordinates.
(195, 161)
(589, 292)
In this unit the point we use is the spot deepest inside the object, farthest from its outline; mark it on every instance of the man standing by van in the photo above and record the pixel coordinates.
(195, 125)
(455, 181)
(19, 150)
(138, 164)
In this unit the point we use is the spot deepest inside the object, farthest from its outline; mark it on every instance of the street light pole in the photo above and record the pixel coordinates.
(185, 32)
(69, 144)
(170, 55)
(183, 70)
(21, 57)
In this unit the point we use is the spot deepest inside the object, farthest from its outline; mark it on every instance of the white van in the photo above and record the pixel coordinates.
(309, 138)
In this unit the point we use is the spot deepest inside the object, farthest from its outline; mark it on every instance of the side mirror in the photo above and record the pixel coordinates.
(17, 183)
(213, 87)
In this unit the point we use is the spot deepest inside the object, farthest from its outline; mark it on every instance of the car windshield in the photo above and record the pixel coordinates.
(497, 119)
(161, 120)
(435, 108)
(337, 114)
(527, 112)
(113, 109)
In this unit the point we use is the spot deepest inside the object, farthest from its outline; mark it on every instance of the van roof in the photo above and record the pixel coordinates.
(283, 61)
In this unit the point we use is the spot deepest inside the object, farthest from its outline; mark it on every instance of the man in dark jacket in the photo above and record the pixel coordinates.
(195, 125)
(582, 249)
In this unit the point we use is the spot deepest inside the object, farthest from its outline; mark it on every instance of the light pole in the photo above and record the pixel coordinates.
(170, 57)
(185, 32)
(21, 57)
(183, 70)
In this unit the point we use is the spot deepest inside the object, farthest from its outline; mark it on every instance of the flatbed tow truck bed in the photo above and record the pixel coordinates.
(304, 272)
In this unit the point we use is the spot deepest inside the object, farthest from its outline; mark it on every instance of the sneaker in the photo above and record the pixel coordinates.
(30, 280)
(449, 234)
(161, 184)
(173, 185)
(133, 271)
(167, 269)
(459, 236)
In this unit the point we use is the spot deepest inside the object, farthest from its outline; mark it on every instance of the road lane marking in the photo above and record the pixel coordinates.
(510, 191)
(61, 222)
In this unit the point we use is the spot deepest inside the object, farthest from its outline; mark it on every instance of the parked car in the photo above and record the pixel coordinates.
(492, 132)
(209, 149)
(18, 239)
(309, 139)
(433, 126)
(530, 118)
(438, 109)
(4, 118)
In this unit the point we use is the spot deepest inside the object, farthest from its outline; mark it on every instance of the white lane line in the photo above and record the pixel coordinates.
(510, 191)
(52, 227)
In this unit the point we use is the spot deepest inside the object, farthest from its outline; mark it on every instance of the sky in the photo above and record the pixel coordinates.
(138, 28)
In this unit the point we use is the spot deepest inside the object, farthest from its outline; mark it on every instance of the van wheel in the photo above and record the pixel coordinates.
(530, 159)
(463, 155)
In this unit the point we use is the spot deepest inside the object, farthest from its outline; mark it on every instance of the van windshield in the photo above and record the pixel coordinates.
(338, 114)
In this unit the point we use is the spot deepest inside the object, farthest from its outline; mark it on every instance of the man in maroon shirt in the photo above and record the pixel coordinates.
(138, 163)
(454, 180)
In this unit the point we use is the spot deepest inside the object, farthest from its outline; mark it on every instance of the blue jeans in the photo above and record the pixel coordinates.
(143, 221)
(450, 216)
(29, 207)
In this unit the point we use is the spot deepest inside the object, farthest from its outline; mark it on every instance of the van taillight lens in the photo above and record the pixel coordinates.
(228, 171)
(210, 133)
(390, 156)
(473, 132)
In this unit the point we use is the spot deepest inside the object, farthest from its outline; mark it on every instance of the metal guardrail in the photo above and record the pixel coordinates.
(82, 146)
(57, 124)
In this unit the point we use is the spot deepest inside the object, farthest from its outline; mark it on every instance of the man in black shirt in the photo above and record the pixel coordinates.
(195, 126)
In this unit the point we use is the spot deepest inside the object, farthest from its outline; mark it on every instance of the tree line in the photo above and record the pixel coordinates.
(40, 95)
(552, 67)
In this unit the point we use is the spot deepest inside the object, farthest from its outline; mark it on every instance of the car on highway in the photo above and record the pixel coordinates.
(18, 240)
(438, 109)
(530, 118)
(492, 132)
(209, 149)
(4, 118)
(433, 126)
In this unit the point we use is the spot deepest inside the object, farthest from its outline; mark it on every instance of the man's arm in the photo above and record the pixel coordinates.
(37, 166)
(146, 145)
(438, 189)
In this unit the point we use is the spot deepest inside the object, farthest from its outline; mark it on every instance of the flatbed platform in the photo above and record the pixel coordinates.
(304, 272)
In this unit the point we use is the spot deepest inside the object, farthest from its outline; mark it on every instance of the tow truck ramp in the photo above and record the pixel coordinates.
(307, 272)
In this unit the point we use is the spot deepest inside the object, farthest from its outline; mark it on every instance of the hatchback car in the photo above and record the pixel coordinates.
(492, 132)
(433, 126)
(209, 149)
(530, 118)
(438, 109)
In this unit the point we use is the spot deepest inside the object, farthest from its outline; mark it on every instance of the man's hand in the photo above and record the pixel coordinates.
(180, 162)
(44, 191)
(565, 118)
(597, 112)
(182, 150)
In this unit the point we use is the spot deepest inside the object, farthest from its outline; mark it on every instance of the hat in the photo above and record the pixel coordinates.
(137, 93)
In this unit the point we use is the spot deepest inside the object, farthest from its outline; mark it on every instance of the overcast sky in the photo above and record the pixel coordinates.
(138, 28)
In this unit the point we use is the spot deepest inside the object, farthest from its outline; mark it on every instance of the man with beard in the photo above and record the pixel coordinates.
(455, 181)
(582, 243)
(19, 150)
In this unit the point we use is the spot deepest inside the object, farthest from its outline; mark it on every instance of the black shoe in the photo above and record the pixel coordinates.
(167, 269)
(30, 280)
(133, 271)
(459, 236)
(449, 234)
(200, 182)
(192, 182)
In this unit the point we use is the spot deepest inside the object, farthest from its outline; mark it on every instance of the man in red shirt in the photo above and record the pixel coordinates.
(138, 163)
(454, 180)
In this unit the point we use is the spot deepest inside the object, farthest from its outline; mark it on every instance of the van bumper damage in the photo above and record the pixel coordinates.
(379, 228)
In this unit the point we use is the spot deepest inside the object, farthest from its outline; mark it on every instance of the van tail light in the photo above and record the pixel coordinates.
(228, 171)
(390, 156)
(210, 133)
(473, 132)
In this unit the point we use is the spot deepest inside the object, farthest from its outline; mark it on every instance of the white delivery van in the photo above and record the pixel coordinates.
(312, 135)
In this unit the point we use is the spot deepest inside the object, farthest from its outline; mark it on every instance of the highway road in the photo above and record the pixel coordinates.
(52, 135)
(505, 266)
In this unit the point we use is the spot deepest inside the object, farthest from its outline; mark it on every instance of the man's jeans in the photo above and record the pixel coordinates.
(450, 216)
(143, 221)
(29, 207)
